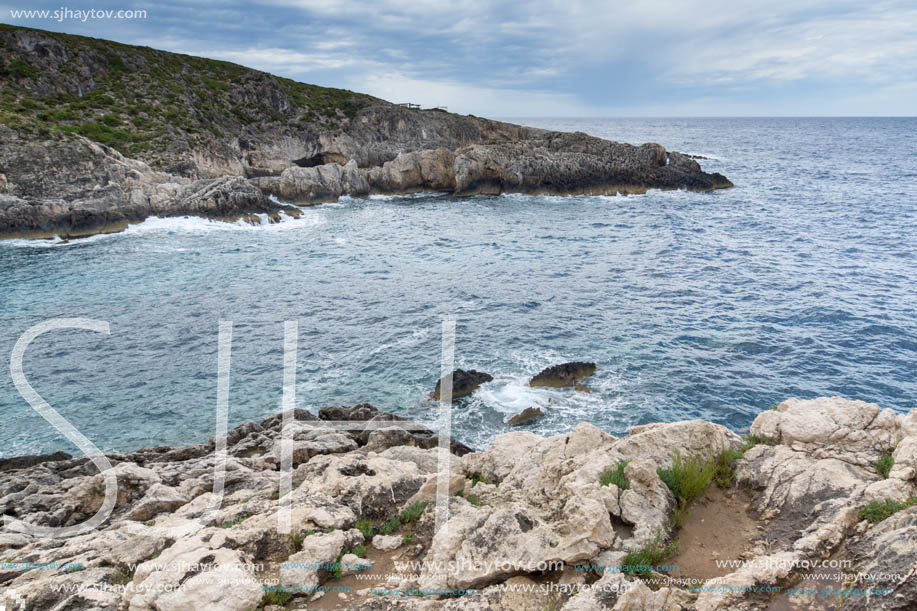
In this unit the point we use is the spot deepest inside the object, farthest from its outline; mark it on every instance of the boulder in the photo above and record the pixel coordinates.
(308, 568)
(855, 432)
(565, 374)
(464, 383)
(322, 183)
(529, 414)
(885, 558)
(387, 543)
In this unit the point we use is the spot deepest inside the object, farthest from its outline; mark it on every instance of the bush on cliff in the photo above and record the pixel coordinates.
(616, 476)
(877, 511)
(687, 479)
(884, 465)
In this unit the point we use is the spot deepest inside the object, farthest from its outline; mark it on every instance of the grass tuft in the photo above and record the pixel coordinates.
(121, 577)
(390, 526)
(477, 478)
(296, 540)
(687, 479)
(413, 512)
(616, 476)
(365, 527)
(877, 511)
(275, 596)
(884, 465)
(724, 473)
(638, 562)
(359, 550)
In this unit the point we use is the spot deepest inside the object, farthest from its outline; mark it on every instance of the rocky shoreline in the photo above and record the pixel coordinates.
(533, 523)
(95, 135)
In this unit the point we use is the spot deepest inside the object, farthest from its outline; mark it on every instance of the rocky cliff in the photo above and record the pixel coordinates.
(95, 134)
(577, 521)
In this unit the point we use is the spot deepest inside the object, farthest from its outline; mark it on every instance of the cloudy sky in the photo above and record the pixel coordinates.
(551, 57)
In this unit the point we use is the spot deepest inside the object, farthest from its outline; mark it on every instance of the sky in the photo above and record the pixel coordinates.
(542, 58)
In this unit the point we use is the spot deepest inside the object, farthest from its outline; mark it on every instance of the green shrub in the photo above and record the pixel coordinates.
(365, 527)
(724, 468)
(884, 465)
(477, 478)
(687, 479)
(215, 85)
(390, 525)
(876, 512)
(21, 69)
(276, 595)
(407, 538)
(233, 523)
(638, 562)
(296, 540)
(753, 440)
(616, 476)
(337, 571)
(121, 577)
(104, 134)
(413, 512)
(359, 550)
(115, 63)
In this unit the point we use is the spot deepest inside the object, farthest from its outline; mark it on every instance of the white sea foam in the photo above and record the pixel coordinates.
(512, 395)
(187, 225)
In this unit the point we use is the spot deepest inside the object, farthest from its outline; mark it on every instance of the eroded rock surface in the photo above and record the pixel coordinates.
(530, 509)
(565, 374)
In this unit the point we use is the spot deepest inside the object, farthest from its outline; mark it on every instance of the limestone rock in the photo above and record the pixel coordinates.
(308, 568)
(387, 543)
(565, 374)
(527, 415)
(886, 557)
(464, 383)
(503, 455)
(853, 431)
(322, 183)
(210, 579)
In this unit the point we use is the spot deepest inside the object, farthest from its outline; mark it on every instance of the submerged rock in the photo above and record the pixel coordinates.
(565, 374)
(464, 383)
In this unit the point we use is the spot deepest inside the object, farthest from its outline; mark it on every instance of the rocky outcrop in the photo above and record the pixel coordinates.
(565, 374)
(95, 144)
(529, 414)
(464, 383)
(521, 514)
(74, 187)
(551, 163)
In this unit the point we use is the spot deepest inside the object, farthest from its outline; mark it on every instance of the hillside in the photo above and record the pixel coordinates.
(147, 103)
(96, 134)
(163, 107)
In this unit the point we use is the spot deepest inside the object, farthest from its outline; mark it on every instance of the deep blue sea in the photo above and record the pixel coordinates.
(801, 281)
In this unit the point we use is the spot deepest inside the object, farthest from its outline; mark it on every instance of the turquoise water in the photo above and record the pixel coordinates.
(798, 282)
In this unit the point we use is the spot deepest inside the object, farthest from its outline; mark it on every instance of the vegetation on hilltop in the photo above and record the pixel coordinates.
(145, 102)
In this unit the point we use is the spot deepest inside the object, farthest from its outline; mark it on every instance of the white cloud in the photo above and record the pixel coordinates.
(548, 56)
(469, 99)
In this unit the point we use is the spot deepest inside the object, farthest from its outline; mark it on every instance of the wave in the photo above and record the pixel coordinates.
(187, 225)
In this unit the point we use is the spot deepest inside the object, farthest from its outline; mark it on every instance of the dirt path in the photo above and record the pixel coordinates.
(717, 528)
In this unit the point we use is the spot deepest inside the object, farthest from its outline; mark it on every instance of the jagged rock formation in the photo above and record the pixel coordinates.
(565, 374)
(77, 187)
(528, 501)
(464, 383)
(96, 134)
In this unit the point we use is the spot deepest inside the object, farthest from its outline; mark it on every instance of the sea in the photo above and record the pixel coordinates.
(801, 281)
